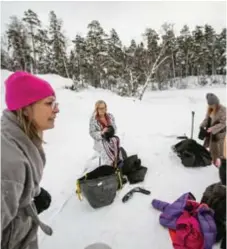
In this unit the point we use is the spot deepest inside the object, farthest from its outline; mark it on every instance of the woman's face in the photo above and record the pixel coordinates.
(43, 113)
(101, 109)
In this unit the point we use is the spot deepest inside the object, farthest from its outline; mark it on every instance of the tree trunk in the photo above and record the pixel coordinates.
(32, 68)
(186, 69)
(213, 68)
(65, 66)
(154, 68)
(33, 48)
(174, 73)
(132, 86)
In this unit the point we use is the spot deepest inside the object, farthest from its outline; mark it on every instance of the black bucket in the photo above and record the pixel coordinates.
(99, 186)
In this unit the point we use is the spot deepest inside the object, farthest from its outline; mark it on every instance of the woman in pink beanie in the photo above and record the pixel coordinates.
(31, 109)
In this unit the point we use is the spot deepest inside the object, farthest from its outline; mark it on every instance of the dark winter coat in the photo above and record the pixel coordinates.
(215, 142)
(22, 166)
(215, 197)
(171, 213)
(222, 171)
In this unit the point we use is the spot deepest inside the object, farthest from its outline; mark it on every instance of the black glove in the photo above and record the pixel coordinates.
(203, 133)
(109, 133)
(42, 201)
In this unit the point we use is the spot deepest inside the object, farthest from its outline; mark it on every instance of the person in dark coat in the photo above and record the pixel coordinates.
(214, 127)
(215, 197)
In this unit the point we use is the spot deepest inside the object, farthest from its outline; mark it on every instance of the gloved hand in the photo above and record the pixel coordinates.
(109, 133)
(203, 133)
(42, 201)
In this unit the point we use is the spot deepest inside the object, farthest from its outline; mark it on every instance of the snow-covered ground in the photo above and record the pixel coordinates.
(147, 128)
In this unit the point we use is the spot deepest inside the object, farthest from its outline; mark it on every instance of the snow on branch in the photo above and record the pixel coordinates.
(155, 66)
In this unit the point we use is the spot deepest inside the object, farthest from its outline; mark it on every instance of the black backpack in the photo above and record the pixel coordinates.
(191, 153)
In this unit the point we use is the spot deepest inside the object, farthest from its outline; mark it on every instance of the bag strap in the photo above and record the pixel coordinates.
(116, 165)
(78, 190)
(118, 173)
(118, 152)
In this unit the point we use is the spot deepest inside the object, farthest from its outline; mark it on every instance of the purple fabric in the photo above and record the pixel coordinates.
(208, 226)
(160, 205)
(171, 212)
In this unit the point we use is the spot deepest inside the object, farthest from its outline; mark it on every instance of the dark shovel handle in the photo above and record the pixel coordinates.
(144, 191)
(136, 189)
(192, 127)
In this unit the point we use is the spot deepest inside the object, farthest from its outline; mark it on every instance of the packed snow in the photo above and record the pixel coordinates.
(147, 128)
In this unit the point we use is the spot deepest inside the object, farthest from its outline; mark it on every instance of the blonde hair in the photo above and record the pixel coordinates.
(212, 110)
(28, 127)
(97, 104)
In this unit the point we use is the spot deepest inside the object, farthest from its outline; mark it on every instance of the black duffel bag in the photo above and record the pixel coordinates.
(133, 169)
(192, 154)
(99, 186)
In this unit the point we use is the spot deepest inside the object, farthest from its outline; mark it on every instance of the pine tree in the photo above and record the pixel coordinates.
(221, 51)
(44, 52)
(209, 52)
(58, 46)
(6, 62)
(184, 51)
(18, 45)
(170, 43)
(96, 45)
(198, 51)
(79, 60)
(33, 23)
(152, 38)
(114, 60)
(101, 60)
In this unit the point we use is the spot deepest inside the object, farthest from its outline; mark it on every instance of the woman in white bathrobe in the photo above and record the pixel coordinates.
(99, 123)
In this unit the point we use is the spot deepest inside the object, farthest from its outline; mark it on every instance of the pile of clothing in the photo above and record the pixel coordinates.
(197, 225)
(191, 224)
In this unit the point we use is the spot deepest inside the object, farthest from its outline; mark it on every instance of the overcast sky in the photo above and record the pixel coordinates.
(130, 19)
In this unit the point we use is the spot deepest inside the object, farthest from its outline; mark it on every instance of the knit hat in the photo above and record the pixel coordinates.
(23, 89)
(212, 99)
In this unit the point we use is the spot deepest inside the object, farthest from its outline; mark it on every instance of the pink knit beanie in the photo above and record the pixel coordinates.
(23, 89)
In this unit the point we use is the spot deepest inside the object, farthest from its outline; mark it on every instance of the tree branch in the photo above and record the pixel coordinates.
(161, 62)
(152, 71)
